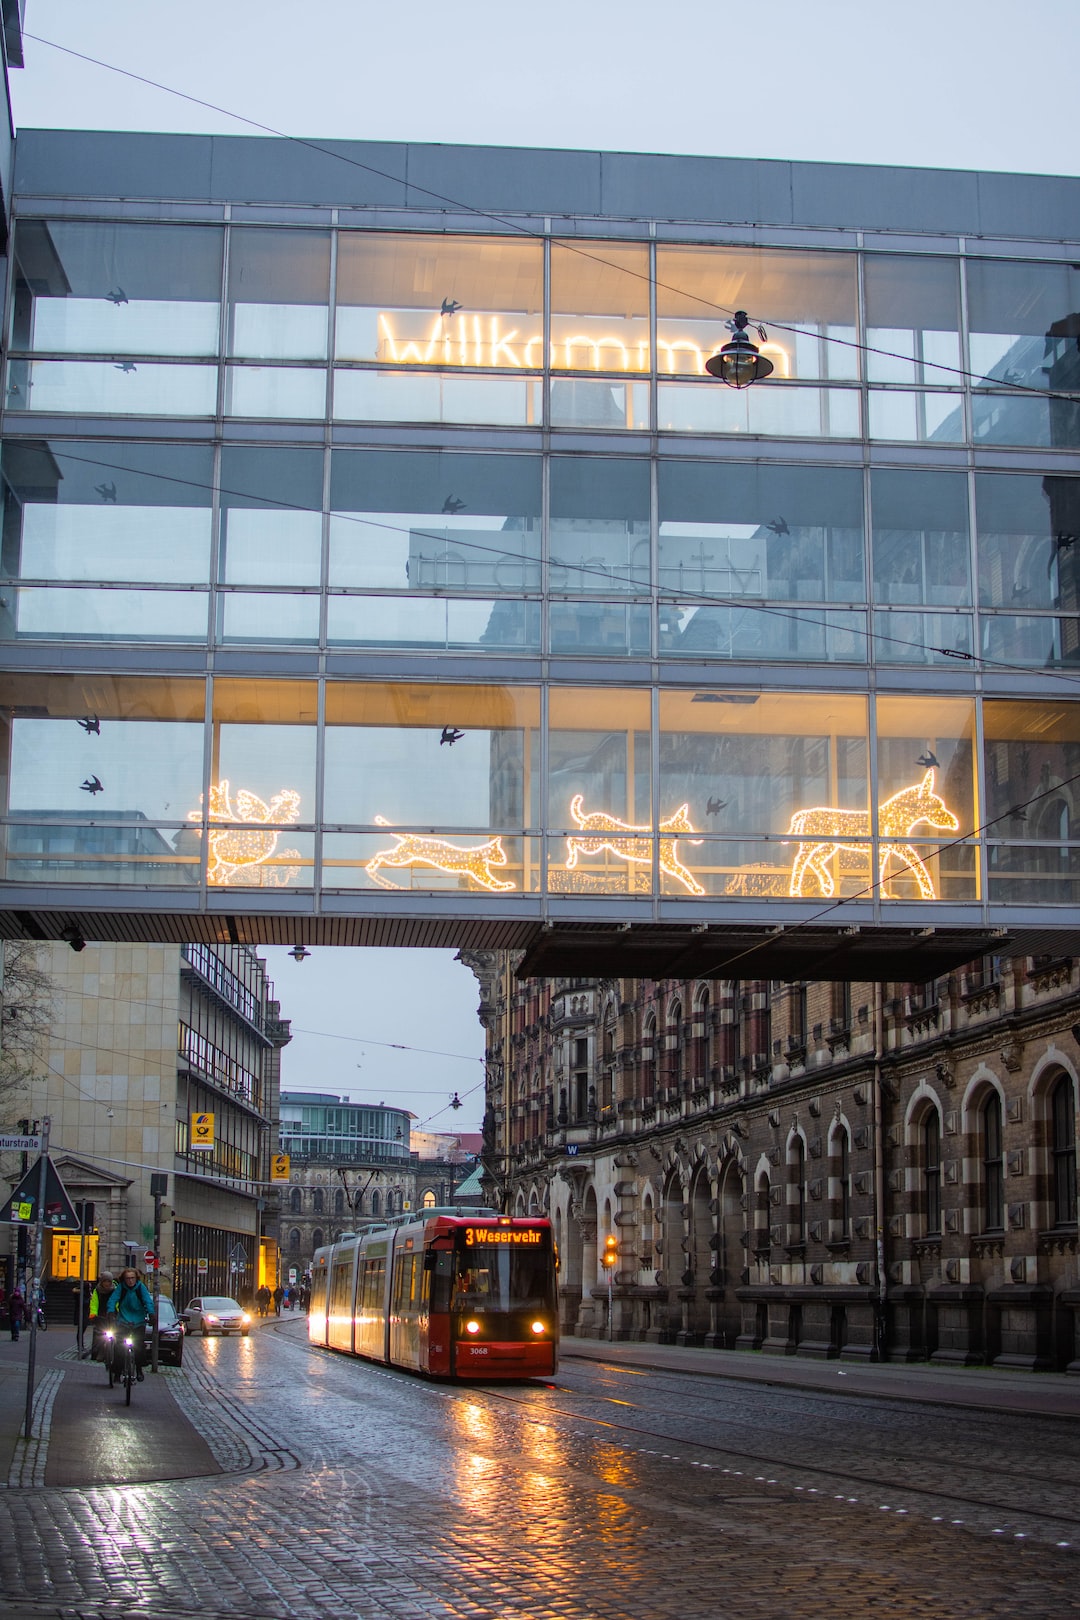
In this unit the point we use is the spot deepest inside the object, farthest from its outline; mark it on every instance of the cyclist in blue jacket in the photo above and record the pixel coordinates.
(132, 1302)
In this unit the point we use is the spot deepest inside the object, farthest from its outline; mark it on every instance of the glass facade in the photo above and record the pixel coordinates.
(354, 560)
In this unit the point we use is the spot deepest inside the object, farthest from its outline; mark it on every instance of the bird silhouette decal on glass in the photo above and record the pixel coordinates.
(928, 760)
(107, 493)
(117, 296)
(92, 785)
(126, 366)
(90, 724)
(778, 526)
(1018, 813)
(450, 306)
(453, 505)
(451, 735)
(714, 806)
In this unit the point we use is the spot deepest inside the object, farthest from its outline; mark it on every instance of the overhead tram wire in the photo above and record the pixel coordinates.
(509, 223)
(687, 597)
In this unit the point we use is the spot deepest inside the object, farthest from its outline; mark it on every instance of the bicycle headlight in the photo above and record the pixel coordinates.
(128, 1343)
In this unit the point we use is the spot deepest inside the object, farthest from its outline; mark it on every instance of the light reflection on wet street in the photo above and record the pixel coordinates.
(608, 1493)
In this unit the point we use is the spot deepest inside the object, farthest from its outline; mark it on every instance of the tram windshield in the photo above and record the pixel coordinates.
(499, 1279)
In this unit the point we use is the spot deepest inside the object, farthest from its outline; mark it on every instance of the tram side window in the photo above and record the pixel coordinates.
(404, 1287)
(374, 1280)
(339, 1288)
(439, 1265)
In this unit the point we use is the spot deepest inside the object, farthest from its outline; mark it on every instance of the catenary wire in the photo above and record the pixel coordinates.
(688, 596)
(510, 223)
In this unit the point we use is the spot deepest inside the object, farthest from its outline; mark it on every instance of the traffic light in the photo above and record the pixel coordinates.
(610, 1257)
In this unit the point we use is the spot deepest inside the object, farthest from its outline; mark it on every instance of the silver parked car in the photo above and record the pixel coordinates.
(213, 1313)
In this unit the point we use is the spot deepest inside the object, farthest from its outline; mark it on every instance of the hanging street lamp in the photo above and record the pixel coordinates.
(740, 362)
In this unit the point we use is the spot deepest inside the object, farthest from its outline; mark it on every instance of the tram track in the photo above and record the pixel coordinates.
(726, 1459)
(876, 1483)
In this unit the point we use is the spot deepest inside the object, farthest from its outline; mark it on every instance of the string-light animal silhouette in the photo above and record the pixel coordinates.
(239, 854)
(600, 832)
(474, 861)
(825, 829)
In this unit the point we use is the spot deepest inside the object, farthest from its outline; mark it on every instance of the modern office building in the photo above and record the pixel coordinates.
(353, 1164)
(144, 1039)
(382, 564)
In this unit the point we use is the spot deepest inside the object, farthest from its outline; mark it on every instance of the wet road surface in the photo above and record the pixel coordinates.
(609, 1494)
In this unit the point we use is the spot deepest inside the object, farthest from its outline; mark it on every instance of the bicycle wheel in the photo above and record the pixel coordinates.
(129, 1373)
(43, 1326)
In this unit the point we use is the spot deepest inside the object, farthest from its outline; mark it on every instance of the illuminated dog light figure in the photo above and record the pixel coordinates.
(239, 854)
(824, 830)
(473, 861)
(602, 831)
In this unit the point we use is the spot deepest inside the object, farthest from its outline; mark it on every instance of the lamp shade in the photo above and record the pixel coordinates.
(740, 362)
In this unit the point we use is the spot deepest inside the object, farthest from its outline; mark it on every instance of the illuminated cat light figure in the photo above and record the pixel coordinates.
(473, 861)
(239, 854)
(602, 831)
(825, 828)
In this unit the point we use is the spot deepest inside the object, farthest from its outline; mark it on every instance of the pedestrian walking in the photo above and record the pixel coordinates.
(262, 1299)
(279, 1295)
(16, 1313)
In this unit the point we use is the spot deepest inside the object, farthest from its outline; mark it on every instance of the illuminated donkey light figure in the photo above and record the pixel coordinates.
(239, 854)
(600, 831)
(825, 828)
(473, 861)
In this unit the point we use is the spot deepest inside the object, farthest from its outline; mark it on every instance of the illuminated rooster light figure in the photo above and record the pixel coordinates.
(825, 828)
(600, 831)
(474, 861)
(239, 854)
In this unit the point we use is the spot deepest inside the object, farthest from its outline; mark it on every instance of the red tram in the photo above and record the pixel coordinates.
(447, 1293)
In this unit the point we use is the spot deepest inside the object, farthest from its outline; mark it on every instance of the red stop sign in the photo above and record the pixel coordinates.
(150, 1257)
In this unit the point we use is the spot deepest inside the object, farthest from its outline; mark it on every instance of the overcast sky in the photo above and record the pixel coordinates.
(944, 83)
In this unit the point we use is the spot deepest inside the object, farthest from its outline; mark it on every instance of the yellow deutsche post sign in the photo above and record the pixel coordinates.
(279, 1167)
(202, 1131)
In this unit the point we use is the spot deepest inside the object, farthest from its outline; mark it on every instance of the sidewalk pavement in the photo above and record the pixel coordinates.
(984, 1388)
(74, 1433)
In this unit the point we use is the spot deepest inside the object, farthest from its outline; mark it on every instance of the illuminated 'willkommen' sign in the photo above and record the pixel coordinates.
(484, 340)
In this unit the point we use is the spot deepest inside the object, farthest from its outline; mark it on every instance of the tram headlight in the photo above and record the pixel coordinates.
(472, 1325)
(539, 1327)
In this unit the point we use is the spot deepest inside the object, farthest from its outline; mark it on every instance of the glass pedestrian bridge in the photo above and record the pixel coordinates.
(373, 573)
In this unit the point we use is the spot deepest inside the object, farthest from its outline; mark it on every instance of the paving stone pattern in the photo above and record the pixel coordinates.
(609, 1495)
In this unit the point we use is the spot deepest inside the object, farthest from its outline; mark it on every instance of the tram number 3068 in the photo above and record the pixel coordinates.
(454, 1294)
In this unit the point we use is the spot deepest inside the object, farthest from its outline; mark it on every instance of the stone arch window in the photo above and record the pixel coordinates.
(841, 1148)
(375, 1202)
(339, 1202)
(294, 1240)
(704, 1043)
(295, 1199)
(674, 1052)
(607, 1066)
(647, 1234)
(318, 1201)
(428, 1200)
(993, 1163)
(762, 1212)
(797, 1183)
(317, 1239)
(1063, 1152)
(648, 1058)
(930, 1146)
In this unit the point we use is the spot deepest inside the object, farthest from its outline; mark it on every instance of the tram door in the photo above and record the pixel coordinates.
(408, 1308)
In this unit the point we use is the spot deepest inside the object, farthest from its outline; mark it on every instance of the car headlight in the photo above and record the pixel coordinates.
(209, 1318)
(245, 1319)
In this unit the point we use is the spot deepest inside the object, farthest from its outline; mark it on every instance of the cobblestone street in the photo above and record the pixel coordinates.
(332, 1488)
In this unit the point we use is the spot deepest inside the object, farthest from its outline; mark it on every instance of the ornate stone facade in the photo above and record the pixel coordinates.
(823, 1169)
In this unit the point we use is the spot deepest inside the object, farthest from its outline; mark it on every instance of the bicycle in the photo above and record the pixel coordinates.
(42, 1324)
(120, 1361)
